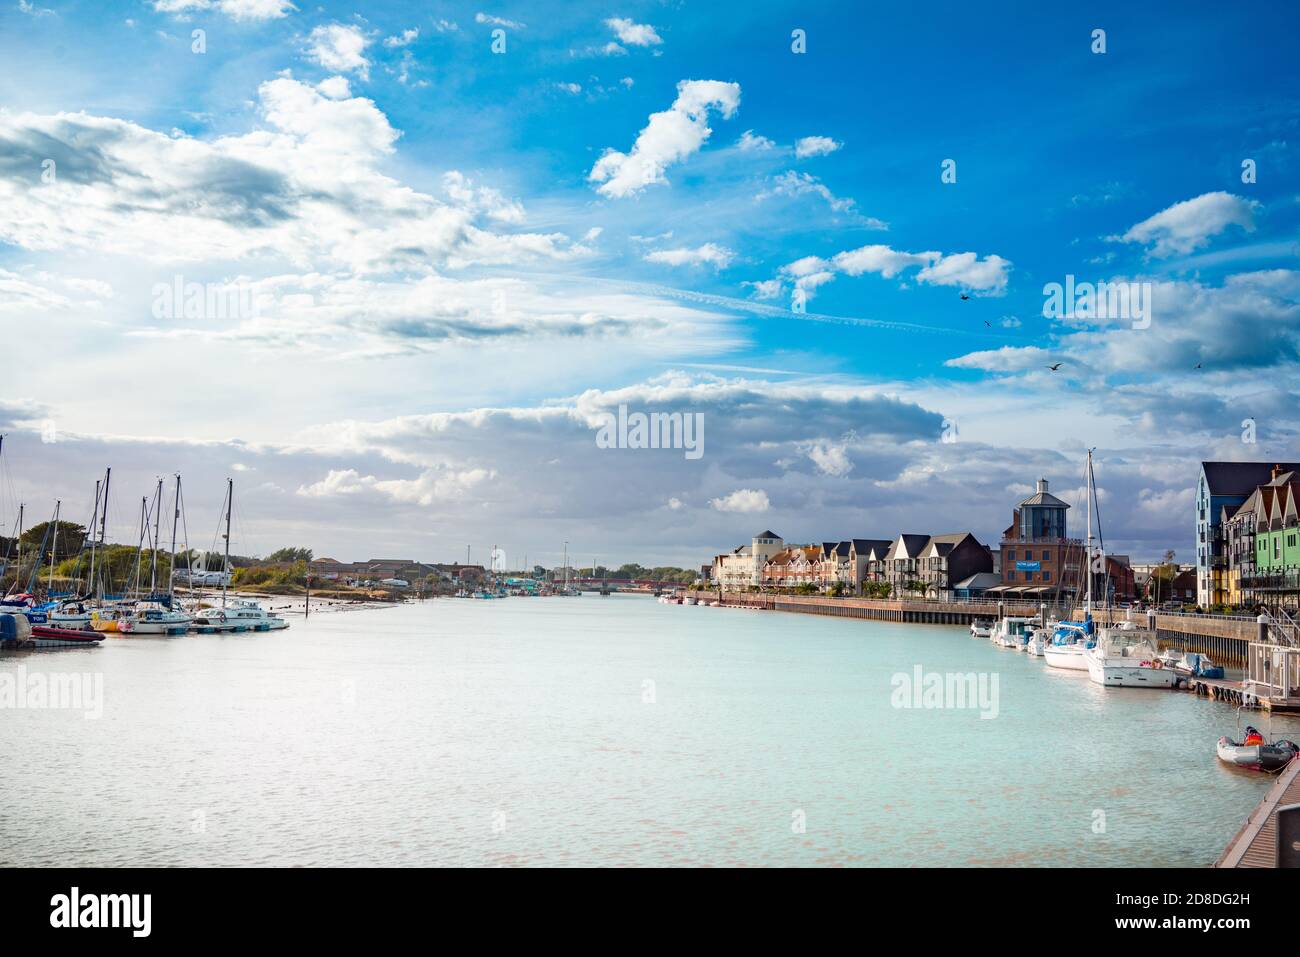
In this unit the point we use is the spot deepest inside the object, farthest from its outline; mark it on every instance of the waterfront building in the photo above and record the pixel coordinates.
(793, 566)
(864, 554)
(949, 559)
(900, 567)
(1038, 558)
(1223, 486)
(742, 567)
(1268, 523)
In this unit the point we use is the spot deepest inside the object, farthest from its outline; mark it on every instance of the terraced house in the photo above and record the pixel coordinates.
(1221, 493)
(1263, 542)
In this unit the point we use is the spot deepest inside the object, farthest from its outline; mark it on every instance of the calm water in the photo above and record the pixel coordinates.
(517, 732)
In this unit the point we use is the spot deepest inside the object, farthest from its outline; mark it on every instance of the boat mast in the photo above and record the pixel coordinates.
(54, 548)
(103, 518)
(566, 568)
(19, 570)
(157, 519)
(176, 514)
(1087, 490)
(94, 519)
(225, 571)
(139, 549)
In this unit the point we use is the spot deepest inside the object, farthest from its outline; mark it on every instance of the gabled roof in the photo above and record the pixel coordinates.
(872, 548)
(907, 546)
(1239, 478)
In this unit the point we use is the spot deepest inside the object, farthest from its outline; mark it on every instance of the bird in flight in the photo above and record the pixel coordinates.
(987, 323)
(1198, 365)
(964, 296)
(1055, 367)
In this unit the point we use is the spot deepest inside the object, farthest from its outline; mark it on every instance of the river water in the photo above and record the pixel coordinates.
(603, 731)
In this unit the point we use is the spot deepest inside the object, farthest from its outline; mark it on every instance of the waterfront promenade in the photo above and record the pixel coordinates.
(1223, 638)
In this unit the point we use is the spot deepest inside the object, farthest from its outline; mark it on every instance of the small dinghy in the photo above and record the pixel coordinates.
(1256, 754)
(46, 636)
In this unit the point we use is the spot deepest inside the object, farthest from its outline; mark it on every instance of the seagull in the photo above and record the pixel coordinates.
(1055, 367)
(1198, 365)
(987, 323)
(964, 296)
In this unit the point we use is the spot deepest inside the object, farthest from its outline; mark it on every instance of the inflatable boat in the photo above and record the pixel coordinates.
(1257, 757)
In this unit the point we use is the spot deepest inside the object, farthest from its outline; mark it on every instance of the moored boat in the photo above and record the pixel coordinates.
(1125, 657)
(981, 628)
(1255, 753)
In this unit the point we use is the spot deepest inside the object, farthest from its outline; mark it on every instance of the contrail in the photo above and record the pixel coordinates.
(762, 309)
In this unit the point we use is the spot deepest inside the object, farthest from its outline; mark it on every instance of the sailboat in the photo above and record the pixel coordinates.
(1071, 639)
(157, 614)
(235, 614)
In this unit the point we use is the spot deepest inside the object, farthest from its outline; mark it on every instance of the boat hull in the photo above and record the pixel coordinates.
(45, 636)
(1256, 757)
(1068, 658)
(1111, 675)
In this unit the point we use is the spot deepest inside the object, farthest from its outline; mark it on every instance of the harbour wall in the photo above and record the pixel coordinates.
(1223, 639)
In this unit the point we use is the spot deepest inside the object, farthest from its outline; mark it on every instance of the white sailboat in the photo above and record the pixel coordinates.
(157, 614)
(1071, 639)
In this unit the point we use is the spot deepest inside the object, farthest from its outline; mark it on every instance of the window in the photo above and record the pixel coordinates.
(1047, 556)
(1011, 576)
(1011, 555)
(1047, 576)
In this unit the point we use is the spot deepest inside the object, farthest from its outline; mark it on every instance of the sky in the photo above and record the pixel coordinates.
(389, 266)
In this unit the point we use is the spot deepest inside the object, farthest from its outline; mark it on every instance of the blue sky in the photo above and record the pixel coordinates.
(460, 256)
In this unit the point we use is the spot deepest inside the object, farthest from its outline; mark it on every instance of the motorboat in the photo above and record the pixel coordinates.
(1068, 643)
(981, 628)
(1012, 632)
(1125, 657)
(208, 621)
(1255, 753)
(257, 617)
(155, 618)
(1037, 643)
(16, 632)
(1196, 665)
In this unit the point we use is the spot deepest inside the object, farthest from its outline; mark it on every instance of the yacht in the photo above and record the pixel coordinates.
(1012, 632)
(1125, 657)
(1065, 650)
(155, 618)
(250, 614)
(1037, 644)
(69, 614)
(981, 628)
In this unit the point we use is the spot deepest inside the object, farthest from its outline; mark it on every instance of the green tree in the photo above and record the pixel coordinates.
(290, 554)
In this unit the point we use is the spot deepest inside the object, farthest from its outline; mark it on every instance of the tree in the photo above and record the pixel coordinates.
(70, 538)
(290, 554)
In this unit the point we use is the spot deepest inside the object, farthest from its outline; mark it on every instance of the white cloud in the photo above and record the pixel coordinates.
(710, 254)
(964, 270)
(793, 183)
(815, 146)
(1188, 225)
(235, 9)
(634, 34)
(572, 88)
(335, 87)
(751, 141)
(405, 38)
(498, 21)
(668, 137)
(766, 288)
(340, 47)
(745, 500)
(831, 458)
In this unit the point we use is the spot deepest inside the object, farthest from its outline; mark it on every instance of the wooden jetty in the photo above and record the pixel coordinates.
(1255, 845)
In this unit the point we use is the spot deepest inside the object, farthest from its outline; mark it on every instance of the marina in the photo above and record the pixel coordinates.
(692, 736)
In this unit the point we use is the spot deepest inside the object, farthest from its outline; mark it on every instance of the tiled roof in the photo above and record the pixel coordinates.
(1238, 478)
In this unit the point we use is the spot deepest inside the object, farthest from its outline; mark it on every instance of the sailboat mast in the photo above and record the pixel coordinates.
(225, 571)
(94, 519)
(19, 570)
(1087, 490)
(103, 517)
(176, 514)
(157, 520)
(54, 548)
